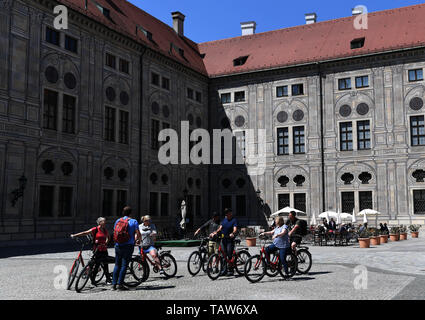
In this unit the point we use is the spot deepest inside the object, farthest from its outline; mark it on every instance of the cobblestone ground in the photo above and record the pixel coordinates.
(394, 271)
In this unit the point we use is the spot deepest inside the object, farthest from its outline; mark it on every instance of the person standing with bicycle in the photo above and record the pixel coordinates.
(126, 234)
(211, 226)
(228, 228)
(294, 226)
(148, 233)
(100, 247)
(280, 242)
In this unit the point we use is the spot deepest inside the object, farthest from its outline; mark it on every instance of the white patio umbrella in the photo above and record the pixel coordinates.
(328, 215)
(345, 216)
(338, 219)
(183, 210)
(286, 210)
(353, 219)
(369, 212)
(313, 221)
(365, 218)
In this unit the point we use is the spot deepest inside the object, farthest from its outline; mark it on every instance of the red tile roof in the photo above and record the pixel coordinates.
(387, 30)
(125, 17)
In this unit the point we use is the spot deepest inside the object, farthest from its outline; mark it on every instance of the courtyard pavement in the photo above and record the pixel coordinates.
(394, 271)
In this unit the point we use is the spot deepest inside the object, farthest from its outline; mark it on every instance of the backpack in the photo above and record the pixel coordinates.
(302, 224)
(121, 234)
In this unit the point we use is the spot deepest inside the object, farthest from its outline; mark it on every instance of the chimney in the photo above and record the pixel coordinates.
(310, 18)
(357, 10)
(178, 22)
(248, 28)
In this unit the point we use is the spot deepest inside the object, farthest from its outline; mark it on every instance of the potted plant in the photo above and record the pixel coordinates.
(414, 230)
(251, 237)
(375, 239)
(364, 238)
(383, 236)
(403, 232)
(395, 233)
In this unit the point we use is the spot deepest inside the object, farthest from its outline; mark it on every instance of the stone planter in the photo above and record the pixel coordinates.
(364, 242)
(251, 242)
(375, 241)
(384, 238)
(415, 234)
(394, 237)
(403, 236)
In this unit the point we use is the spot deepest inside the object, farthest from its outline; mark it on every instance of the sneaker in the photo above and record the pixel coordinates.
(230, 273)
(122, 288)
(161, 272)
(114, 287)
(109, 280)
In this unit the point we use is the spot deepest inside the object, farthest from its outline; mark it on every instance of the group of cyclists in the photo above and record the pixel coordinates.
(128, 233)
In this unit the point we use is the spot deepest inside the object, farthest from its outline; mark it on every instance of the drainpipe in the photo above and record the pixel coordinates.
(140, 133)
(321, 78)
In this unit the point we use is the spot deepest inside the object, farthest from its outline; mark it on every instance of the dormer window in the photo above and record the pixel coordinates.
(240, 61)
(357, 43)
(104, 11)
(146, 33)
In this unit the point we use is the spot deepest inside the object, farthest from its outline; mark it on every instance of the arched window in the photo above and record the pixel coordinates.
(283, 181)
(347, 178)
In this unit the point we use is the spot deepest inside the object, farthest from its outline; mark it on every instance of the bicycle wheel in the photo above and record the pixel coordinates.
(168, 264)
(195, 262)
(139, 269)
(214, 266)
(291, 262)
(83, 278)
(130, 279)
(99, 275)
(255, 269)
(241, 258)
(273, 268)
(304, 261)
(73, 273)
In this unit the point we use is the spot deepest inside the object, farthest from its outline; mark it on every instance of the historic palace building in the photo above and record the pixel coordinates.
(81, 109)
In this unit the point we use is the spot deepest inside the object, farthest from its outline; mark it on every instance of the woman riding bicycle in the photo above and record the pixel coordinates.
(148, 232)
(100, 247)
(280, 242)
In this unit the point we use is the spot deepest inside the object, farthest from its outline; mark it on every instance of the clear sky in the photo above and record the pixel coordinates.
(208, 20)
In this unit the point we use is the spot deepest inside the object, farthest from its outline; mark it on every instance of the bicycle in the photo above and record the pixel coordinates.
(261, 264)
(216, 262)
(80, 261)
(198, 259)
(140, 269)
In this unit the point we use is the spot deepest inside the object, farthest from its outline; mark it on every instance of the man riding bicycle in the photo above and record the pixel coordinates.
(211, 226)
(294, 227)
(148, 232)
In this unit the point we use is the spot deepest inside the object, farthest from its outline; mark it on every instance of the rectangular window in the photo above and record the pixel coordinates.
(226, 203)
(65, 202)
(110, 116)
(155, 79)
(346, 136)
(189, 93)
(110, 60)
(46, 201)
(154, 134)
(164, 204)
(107, 205)
(282, 91)
(419, 201)
(198, 210)
(416, 75)
(226, 98)
(344, 84)
(198, 96)
(297, 89)
(124, 66)
(165, 83)
(282, 141)
(363, 135)
(283, 200)
(300, 201)
(366, 201)
(347, 202)
(71, 44)
(362, 82)
(123, 127)
(417, 131)
(52, 36)
(50, 109)
(299, 140)
(240, 96)
(153, 204)
(241, 205)
(121, 201)
(68, 114)
(357, 43)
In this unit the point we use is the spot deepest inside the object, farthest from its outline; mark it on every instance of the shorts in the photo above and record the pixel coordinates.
(148, 249)
(212, 247)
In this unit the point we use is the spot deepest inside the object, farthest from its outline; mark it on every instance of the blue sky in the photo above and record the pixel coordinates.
(220, 19)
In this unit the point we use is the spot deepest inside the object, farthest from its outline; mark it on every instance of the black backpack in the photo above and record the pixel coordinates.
(302, 224)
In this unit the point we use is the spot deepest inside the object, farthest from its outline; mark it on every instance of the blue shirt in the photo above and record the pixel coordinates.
(133, 225)
(281, 242)
(228, 226)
